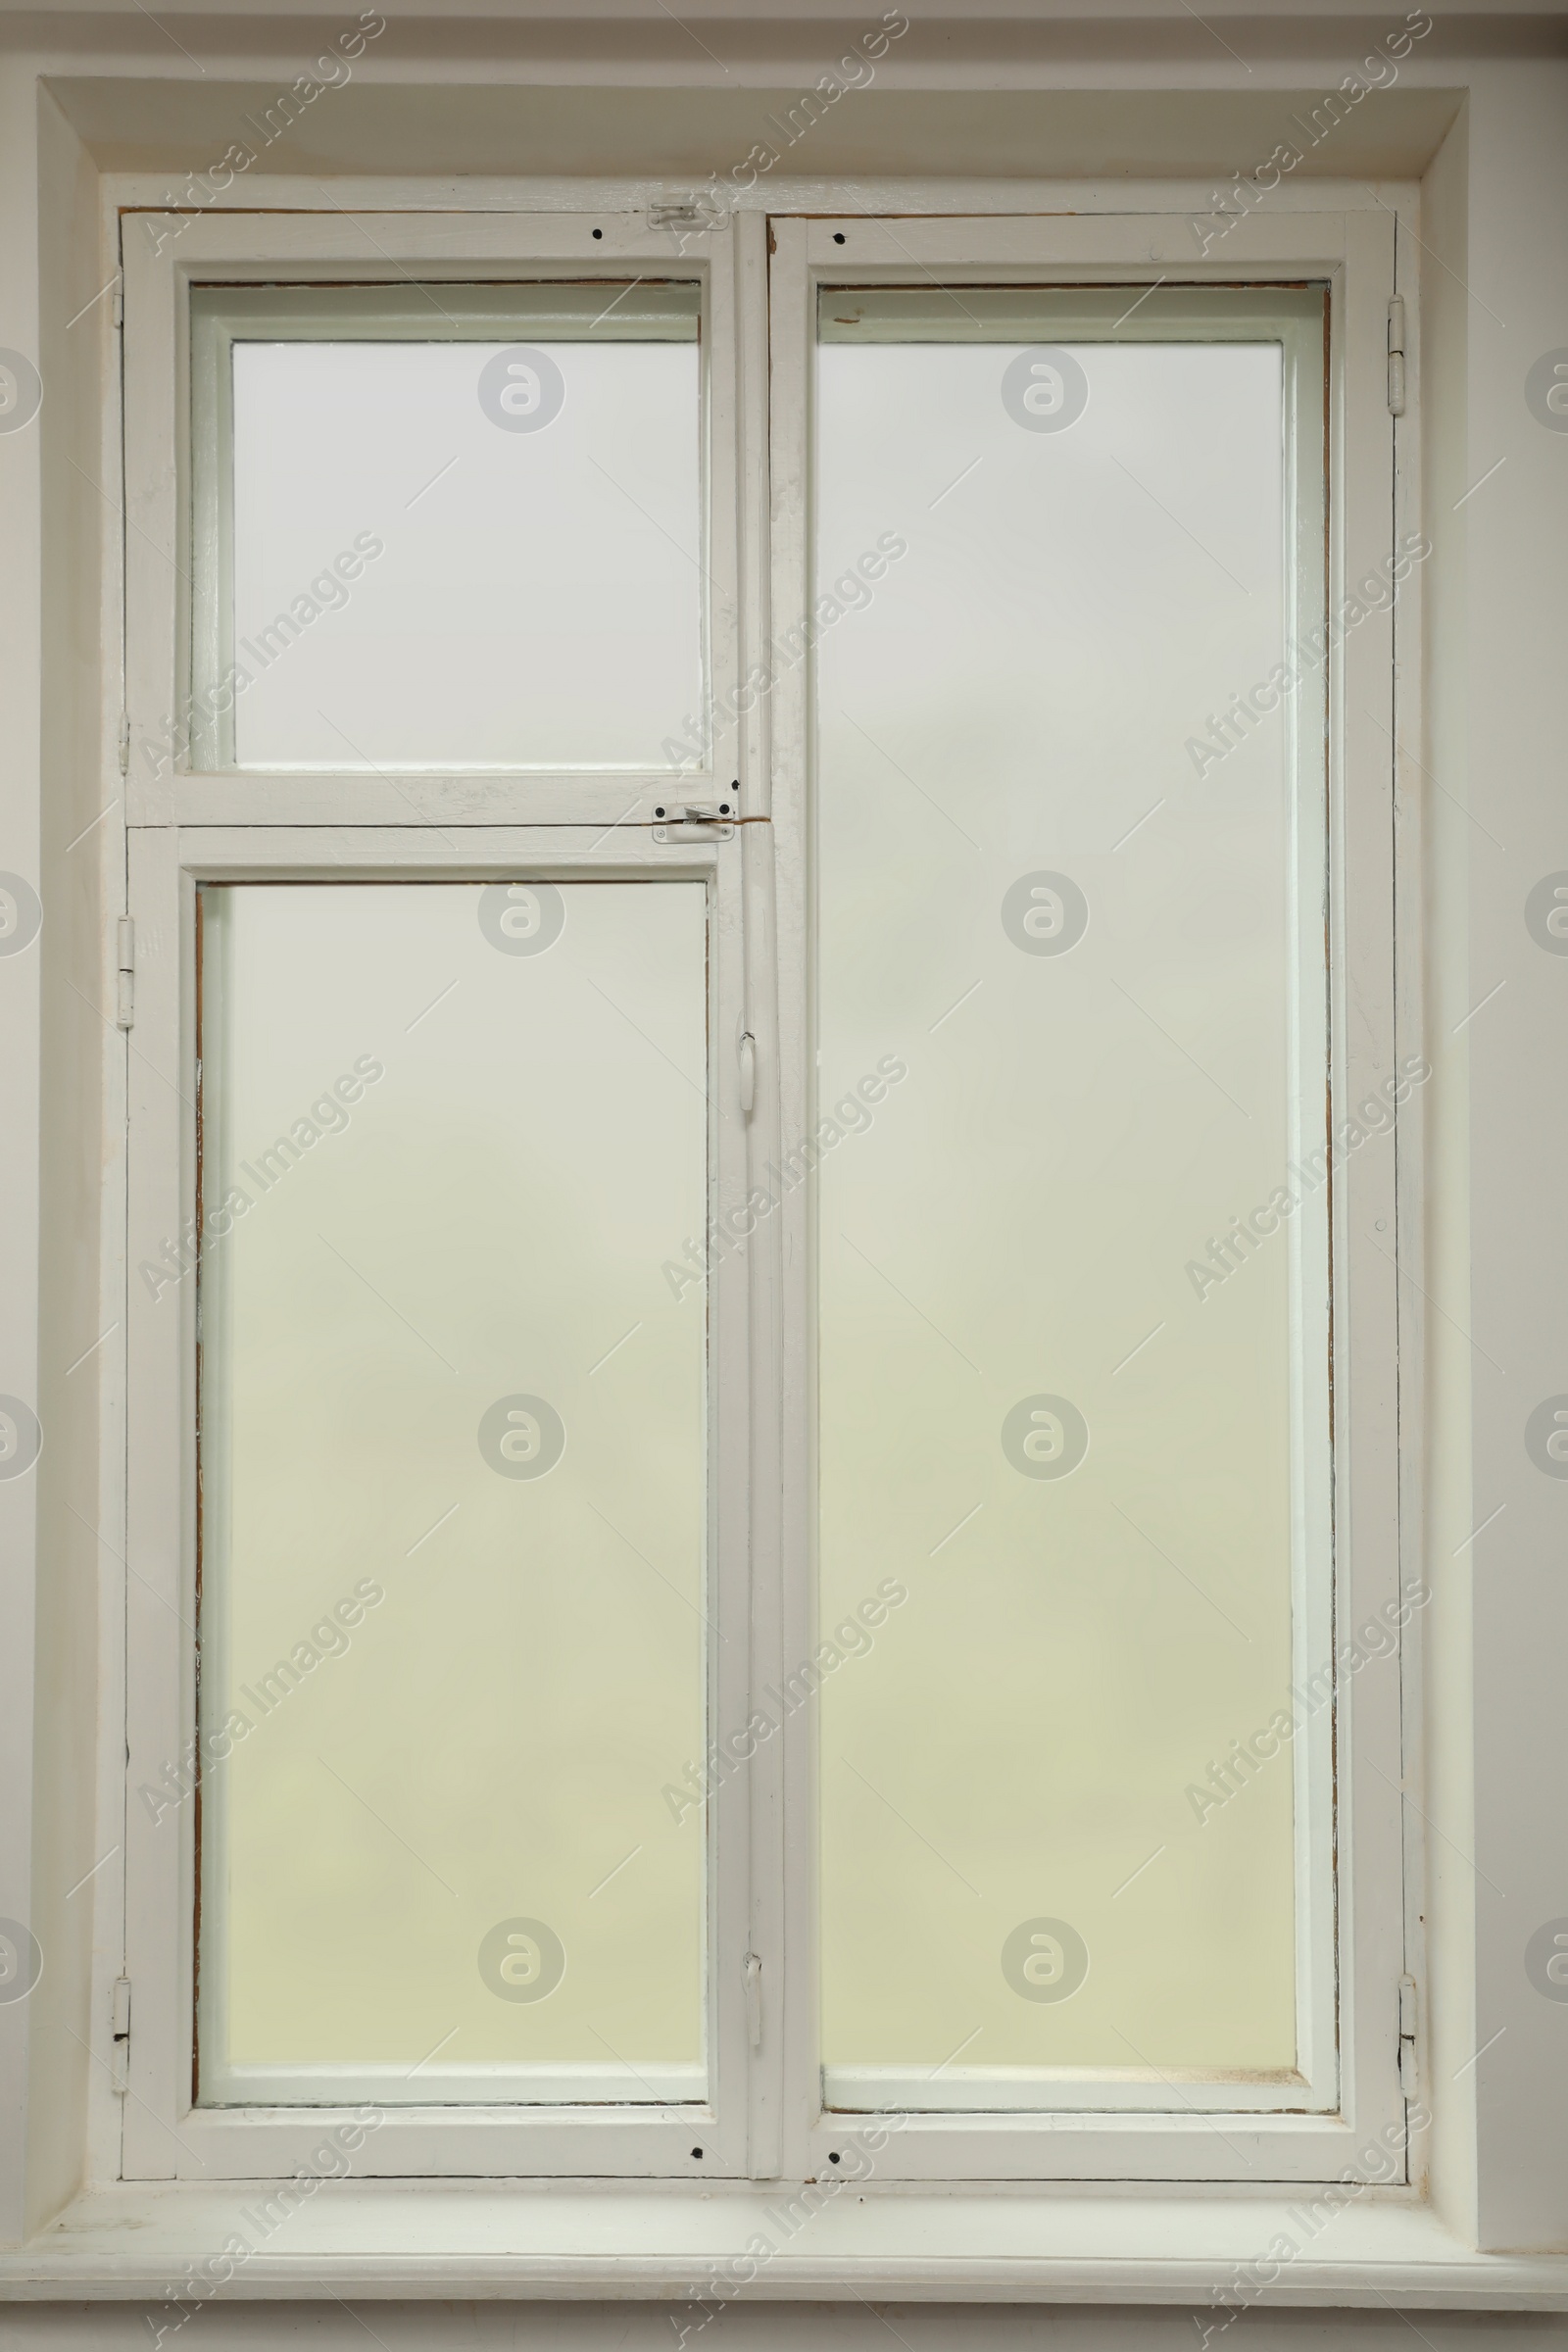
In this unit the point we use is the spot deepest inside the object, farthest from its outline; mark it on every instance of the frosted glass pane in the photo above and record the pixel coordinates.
(1100, 1479)
(465, 553)
(453, 1612)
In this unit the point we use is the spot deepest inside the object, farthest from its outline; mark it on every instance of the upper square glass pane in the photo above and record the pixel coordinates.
(445, 527)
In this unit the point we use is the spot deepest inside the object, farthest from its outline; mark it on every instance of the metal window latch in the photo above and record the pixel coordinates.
(1408, 2071)
(700, 212)
(752, 1969)
(695, 822)
(1397, 355)
(121, 2044)
(125, 1000)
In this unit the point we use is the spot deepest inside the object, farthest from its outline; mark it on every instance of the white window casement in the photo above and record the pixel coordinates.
(301, 861)
(766, 834)
(975, 854)
(785, 1063)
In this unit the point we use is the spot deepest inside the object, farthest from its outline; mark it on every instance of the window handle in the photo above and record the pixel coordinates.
(696, 822)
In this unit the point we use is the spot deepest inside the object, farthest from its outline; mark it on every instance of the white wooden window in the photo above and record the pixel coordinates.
(1008, 717)
(863, 742)
(304, 861)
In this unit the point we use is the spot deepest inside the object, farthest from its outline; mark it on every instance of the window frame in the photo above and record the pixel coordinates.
(1356, 255)
(759, 276)
(160, 265)
(185, 827)
(166, 2135)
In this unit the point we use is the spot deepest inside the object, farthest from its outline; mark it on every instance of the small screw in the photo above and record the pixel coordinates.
(659, 813)
(833, 2157)
(598, 233)
(723, 807)
(697, 2151)
(838, 239)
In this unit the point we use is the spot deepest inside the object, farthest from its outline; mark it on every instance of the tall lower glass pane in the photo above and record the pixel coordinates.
(1070, 860)
(451, 1604)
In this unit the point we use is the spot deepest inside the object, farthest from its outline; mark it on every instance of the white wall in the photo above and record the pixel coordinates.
(1516, 774)
(763, 2327)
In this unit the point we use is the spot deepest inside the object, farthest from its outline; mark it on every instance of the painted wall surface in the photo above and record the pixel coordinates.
(626, 2327)
(1516, 778)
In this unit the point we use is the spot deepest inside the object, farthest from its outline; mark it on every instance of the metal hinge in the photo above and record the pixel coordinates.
(1397, 355)
(695, 822)
(686, 211)
(752, 1971)
(125, 993)
(120, 2015)
(1408, 2073)
(125, 743)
